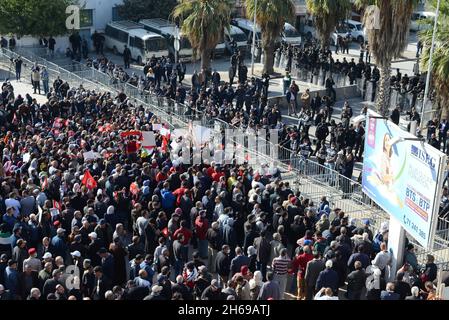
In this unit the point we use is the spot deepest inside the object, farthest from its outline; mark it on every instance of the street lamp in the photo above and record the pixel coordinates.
(254, 38)
(429, 70)
(176, 43)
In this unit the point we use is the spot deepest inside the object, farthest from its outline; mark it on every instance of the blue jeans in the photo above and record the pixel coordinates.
(46, 87)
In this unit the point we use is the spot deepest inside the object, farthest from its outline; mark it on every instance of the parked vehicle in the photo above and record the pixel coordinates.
(421, 20)
(142, 43)
(353, 27)
(168, 30)
(236, 34)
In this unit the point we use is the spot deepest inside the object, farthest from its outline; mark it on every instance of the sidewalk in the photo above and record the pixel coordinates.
(23, 87)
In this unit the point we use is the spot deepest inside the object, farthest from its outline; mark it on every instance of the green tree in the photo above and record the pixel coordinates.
(203, 22)
(327, 13)
(388, 41)
(440, 61)
(145, 9)
(271, 16)
(34, 17)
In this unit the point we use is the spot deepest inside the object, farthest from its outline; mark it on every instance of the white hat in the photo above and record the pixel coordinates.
(93, 235)
(156, 289)
(329, 264)
(60, 230)
(76, 254)
(47, 255)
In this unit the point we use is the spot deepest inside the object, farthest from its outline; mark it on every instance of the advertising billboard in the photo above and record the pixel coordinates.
(403, 176)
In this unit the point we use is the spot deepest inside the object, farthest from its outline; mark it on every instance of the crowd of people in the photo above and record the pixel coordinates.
(133, 224)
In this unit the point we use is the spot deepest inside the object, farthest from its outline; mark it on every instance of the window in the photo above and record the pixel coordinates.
(291, 33)
(86, 18)
(111, 32)
(156, 44)
(185, 43)
(122, 36)
(240, 37)
(115, 14)
(138, 43)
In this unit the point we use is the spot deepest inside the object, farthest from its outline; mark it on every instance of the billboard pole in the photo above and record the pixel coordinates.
(396, 245)
(440, 178)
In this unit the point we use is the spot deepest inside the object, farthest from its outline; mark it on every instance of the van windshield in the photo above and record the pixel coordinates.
(239, 37)
(185, 43)
(156, 44)
(291, 33)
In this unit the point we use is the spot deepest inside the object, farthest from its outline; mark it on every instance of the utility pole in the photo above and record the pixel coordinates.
(254, 38)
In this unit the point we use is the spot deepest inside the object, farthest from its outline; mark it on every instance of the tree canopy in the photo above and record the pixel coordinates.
(440, 62)
(145, 9)
(34, 17)
(327, 14)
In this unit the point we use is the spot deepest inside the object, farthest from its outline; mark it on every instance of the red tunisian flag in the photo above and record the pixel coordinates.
(89, 181)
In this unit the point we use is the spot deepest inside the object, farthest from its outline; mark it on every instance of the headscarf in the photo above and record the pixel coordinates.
(110, 210)
(256, 281)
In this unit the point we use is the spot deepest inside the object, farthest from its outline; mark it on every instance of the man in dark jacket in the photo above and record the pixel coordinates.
(328, 278)
(28, 279)
(223, 263)
(215, 241)
(135, 292)
(388, 293)
(102, 284)
(50, 284)
(356, 281)
(313, 270)
(58, 247)
(263, 247)
(213, 292)
(127, 57)
(401, 287)
(239, 261)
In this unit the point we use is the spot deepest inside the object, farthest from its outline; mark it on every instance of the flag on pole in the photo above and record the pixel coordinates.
(164, 143)
(89, 181)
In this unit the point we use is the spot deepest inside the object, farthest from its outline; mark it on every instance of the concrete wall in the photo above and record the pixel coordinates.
(102, 13)
(343, 93)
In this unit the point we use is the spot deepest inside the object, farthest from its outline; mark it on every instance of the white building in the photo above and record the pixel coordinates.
(94, 15)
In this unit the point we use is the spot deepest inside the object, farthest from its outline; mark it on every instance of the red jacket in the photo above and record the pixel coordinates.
(161, 176)
(201, 227)
(178, 193)
(217, 175)
(187, 235)
(299, 264)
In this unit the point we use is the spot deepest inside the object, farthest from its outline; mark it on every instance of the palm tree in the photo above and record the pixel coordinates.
(388, 41)
(271, 16)
(440, 62)
(203, 22)
(327, 13)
